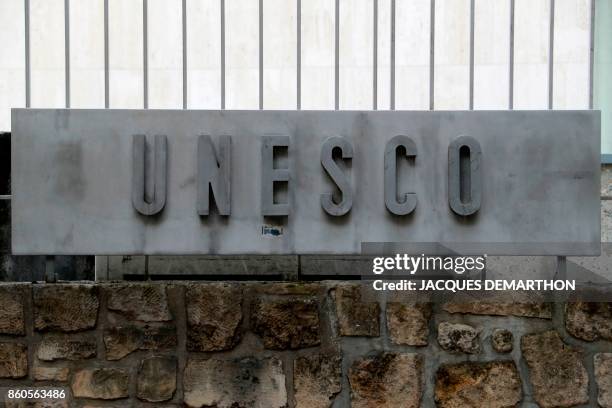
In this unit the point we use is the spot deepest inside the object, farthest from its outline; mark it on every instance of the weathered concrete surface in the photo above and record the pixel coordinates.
(525, 201)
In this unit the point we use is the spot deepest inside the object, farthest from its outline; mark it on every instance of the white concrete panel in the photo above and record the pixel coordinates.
(412, 45)
(531, 41)
(356, 54)
(125, 54)
(87, 53)
(165, 53)
(47, 58)
(204, 54)
(318, 54)
(279, 54)
(491, 54)
(383, 88)
(452, 55)
(242, 54)
(571, 54)
(12, 61)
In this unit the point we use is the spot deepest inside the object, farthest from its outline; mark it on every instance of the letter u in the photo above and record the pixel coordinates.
(157, 200)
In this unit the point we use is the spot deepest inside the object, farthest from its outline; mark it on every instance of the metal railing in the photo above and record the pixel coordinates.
(376, 33)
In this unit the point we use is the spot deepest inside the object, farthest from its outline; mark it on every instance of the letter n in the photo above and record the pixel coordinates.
(214, 174)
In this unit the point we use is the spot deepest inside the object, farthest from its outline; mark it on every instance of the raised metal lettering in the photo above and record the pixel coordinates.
(149, 193)
(464, 175)
(338, 177)
(396, 204)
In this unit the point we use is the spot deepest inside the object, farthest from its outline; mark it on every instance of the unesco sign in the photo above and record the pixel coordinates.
(285, 182)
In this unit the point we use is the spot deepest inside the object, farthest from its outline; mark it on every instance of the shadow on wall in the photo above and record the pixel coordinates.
(29, 268)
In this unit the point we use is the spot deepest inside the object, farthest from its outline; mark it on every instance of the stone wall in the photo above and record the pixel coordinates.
(239, 344)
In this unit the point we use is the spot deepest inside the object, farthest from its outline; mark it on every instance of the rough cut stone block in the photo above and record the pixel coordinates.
(121, 341)
(288, 288)
(101, 383)
(317, 379)
(558, 376)
(501, 340)
(606, 220)
(13, 360)
(458, 338)
(11, 309)
(387, 380)
(64, 347)
(519, 309)
(145, 302)
(246, 382)
(495, 384)
(603, 378)
(68, 308)
(356, 318)
(157, 379)
(287, 323)
(214, 313)
(408, 324)
(42, 373)
(589, 321)
(63, 403)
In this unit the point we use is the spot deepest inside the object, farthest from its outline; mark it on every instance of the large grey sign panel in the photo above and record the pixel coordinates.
(535, 184)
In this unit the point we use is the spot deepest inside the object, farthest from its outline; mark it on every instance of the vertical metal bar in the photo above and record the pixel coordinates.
(337, 56)
(472, 22)
(184, 26)
(222, 54)
(375, 55)
(432, 42)
(145, 53)
(392, 63)
(261, 51)
(299, 56)
(27, 52)
(106, 58)
(511, 65)
(67, 51)
(592, 56)
(551, 56)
